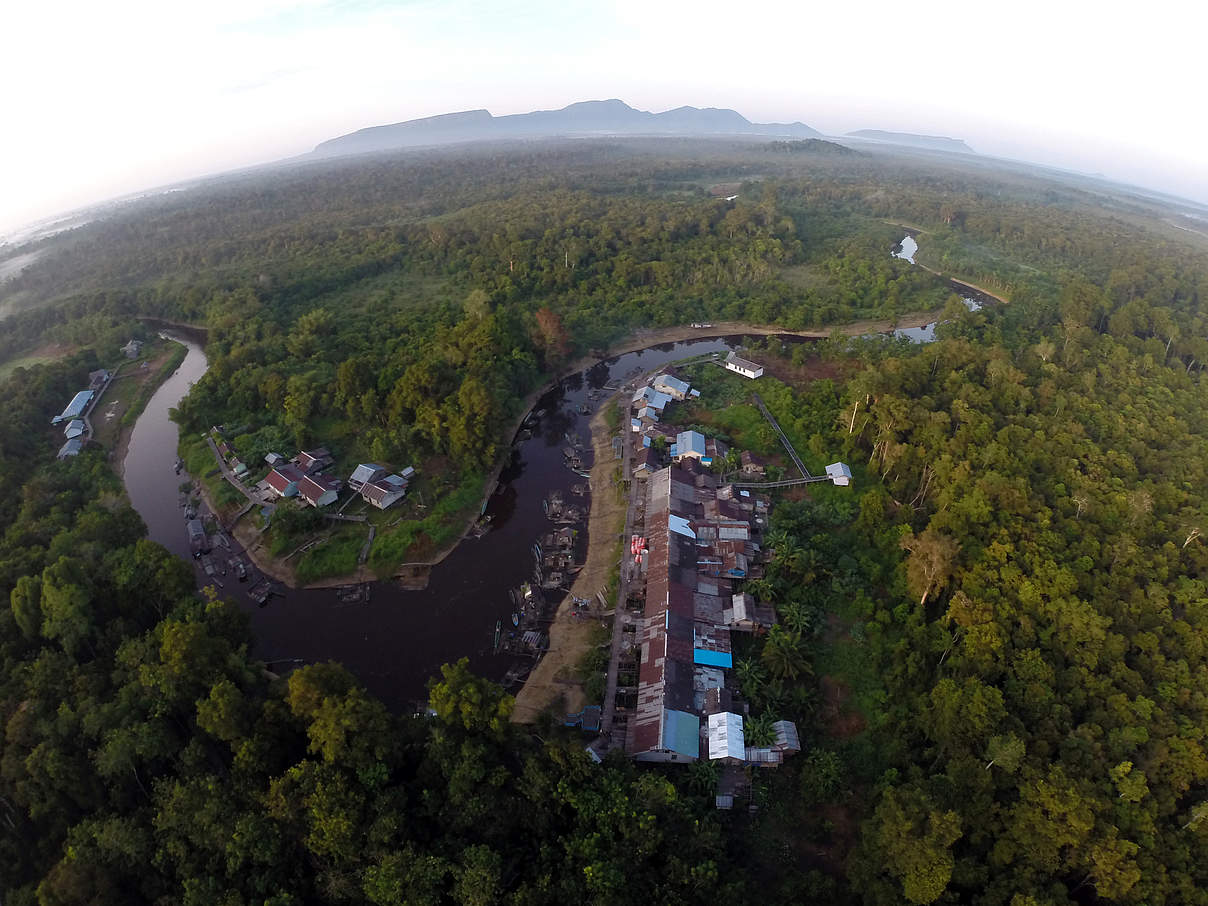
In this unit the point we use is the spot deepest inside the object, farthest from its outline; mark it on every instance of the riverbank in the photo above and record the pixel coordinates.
(136, 387)
(279, 569)
(554, 681)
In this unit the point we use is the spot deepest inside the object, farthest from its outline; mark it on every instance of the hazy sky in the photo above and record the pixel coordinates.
(103, 99)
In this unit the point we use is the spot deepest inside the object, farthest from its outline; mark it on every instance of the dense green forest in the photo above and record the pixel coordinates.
(994, 643)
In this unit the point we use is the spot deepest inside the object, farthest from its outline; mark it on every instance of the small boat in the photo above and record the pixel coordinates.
(515, 618)
(498, 633)
(180, 464)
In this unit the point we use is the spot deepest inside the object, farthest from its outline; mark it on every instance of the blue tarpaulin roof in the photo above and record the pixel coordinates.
(712, 658)
(681, 733)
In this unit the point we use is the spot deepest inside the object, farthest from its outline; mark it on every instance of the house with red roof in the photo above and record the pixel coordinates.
(319, 490)
(283, 480)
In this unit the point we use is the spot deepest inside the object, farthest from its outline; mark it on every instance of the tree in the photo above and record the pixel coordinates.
(783, 654)
(461, 699)
(915, 840)
(66, 615)
(26, 600)
(1005, 751)
(554, 338)
(932, 557)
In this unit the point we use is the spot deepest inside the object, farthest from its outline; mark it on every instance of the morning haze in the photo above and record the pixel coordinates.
(146, 94)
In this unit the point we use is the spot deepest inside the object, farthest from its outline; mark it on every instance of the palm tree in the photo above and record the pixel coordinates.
(752, 677)
(760, 730)
(762, 589)
(783, 655)
(798, 616)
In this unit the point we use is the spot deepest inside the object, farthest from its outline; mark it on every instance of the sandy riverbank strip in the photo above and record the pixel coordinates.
(555, 682)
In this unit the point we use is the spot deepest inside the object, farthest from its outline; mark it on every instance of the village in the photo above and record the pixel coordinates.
(695, 528)
(697, 515)
(307, 480)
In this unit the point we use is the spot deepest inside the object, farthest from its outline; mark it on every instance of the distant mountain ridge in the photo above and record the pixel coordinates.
(931, 142)
(611, 117)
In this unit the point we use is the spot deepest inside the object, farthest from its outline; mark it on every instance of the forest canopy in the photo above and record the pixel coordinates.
(994, 643)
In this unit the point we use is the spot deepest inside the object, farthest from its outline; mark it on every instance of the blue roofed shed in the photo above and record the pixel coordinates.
(681, 733)
(76, 407)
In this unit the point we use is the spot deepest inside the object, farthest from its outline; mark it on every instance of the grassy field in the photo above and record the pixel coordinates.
(41, 356)
(27, 361)
(337, 556)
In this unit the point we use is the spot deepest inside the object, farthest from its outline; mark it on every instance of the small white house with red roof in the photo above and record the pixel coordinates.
(319, 490)
(385, 492)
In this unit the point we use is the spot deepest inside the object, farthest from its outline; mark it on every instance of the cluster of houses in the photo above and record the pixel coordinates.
(305, 478)
(700, 539)
(649, 406)
(75, 414)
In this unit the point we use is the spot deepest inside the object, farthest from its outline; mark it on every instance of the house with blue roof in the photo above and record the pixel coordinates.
(75, 408)
(672, 386)
(649, 397)
(688, 445)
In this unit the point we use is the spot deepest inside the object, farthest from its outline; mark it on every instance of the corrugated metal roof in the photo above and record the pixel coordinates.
(680, 526)
(366, 471)
(786, 736)
(726, 738)
(672, 383)
(78, 404)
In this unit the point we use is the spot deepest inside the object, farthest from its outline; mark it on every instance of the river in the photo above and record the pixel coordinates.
(398, 639)
(974, 301)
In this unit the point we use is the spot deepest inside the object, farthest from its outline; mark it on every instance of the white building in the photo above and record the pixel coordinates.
(319, 491)
(726, 738)
(743, 367)
(839, 473)
(384, 492)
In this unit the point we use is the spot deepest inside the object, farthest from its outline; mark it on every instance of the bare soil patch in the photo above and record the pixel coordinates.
(814, 368)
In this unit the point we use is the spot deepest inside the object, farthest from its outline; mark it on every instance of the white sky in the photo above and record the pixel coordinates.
(102, 99)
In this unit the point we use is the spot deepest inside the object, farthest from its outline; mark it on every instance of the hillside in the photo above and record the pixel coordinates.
(930, 142)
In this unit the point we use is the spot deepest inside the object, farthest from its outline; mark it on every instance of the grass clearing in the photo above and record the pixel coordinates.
(337, 556)
(43, 355)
